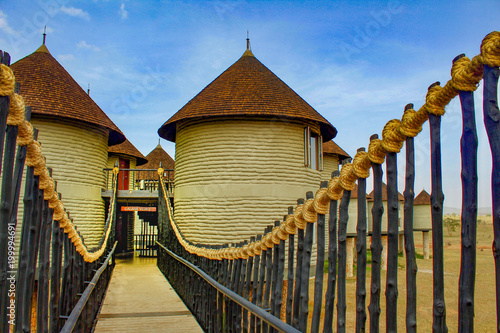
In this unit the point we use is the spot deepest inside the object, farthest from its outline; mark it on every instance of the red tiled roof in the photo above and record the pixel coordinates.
(49, 89)
(423, 198)
(127, 148)
(247, 88)
(331, 147)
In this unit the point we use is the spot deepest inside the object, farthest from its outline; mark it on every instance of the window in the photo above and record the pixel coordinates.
(313, 149)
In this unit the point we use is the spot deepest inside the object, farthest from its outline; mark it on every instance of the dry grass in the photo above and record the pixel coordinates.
(485, 298)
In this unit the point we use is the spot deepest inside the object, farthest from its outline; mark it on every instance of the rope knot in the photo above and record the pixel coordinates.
(392, 139)
(438, 97)
(321, 201)
(7, 81)
(298, 218)
(335, 190)
(463, 75)
(347, 177)
(24, 133)
(309, 213)
(291, 228)
(361, 164)
(412, 121)
(376, 153)
(490, 49)
(16, 110)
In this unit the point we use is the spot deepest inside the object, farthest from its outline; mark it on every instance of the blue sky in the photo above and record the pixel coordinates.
(358, 63)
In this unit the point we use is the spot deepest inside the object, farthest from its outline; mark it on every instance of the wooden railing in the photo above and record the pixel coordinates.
(51, 264)
(255, 268)
(139, 179)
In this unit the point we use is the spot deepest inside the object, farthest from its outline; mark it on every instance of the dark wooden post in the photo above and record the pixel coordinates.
(255, 286)
(28, 250)
(341, 286)
(411, 264)
(289, 293)
(320, 266)
(269, 278)
(55, 276)
(361, 251)
(4, 108)
(44, 267)
(276, 255)
(376, 246)
(298, 270)
(391, 291)
(281, 273)
(9, 198)
(7, 226)
(437, 198)
(248, 285)
(492, 124)
(304, 274)
(332, 264)
(262, 281)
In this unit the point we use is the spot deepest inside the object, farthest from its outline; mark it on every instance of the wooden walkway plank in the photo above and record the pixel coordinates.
(140, 299)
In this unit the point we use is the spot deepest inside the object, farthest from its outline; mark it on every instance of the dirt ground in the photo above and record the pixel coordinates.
(485, 298)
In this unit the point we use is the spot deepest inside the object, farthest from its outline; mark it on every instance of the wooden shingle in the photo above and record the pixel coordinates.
(249, 89)
(331, 147)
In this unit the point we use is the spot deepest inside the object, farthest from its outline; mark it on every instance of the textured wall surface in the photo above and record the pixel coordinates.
(77, 153)
(235, 177)
(330, 164)
(422, 218)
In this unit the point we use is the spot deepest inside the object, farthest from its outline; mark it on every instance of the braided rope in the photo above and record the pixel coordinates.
(7, 81)
(466, 75)
(35, 159)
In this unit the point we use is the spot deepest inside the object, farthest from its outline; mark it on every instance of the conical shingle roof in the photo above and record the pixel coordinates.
(247, 88)
(156, 156)
(423, 198)
(331, 147)
(49, 89)
(127, 148)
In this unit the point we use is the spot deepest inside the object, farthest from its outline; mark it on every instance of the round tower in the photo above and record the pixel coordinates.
(74, 133)
(247, 146)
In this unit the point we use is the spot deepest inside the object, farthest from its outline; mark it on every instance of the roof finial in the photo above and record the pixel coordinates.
(44, 34)
(88, 90)
(248, 42)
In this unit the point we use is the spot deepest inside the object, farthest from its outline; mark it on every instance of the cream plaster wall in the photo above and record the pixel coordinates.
(235, 177)
(77, 154)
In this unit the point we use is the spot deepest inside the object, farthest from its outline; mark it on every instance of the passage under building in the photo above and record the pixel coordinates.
(247, 147)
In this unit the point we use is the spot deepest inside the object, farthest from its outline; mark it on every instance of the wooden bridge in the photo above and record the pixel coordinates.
(54, 283)
(140, 299)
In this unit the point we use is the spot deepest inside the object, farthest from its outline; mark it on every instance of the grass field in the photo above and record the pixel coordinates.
(485, 298)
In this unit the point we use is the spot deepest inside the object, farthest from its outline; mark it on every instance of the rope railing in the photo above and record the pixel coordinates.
(35, 159)
(465, 76)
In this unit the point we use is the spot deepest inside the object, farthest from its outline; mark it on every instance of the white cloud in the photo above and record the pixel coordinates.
(83, 45)
(123, 13)
(66, 57)
(4, 25)
(76, 12)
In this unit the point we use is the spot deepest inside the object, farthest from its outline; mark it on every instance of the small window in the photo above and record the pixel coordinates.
(313, 149)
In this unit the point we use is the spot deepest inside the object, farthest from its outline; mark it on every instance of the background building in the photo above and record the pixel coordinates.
(75, 135)
(247, 146)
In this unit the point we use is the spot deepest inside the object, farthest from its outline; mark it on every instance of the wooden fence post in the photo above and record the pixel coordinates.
(332, 264)
(411, 265)
(437, 197)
